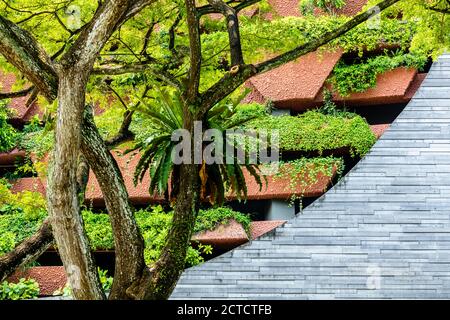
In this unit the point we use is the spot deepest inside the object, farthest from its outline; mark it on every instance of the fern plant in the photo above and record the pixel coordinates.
(166, 113)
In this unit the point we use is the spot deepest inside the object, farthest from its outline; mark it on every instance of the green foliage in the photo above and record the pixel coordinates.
(305, 172)
(105, 280)
(8, 135)
(209, 219)
(154, 224)
(331, 109)
(7, 242)
(37, 142)
(432, 35)
(31, 204)
(166, 111)
(359, 77)
(24, 289)
(307, 6)
(315, 131)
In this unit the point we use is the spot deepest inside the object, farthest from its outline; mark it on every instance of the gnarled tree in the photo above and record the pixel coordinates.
(89, 52)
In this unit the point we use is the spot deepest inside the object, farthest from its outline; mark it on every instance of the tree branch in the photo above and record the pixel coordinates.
(27, 251)
(208, 9)
(22, 51)
(232, 80)
(195, 53)
(137, 68)
(16, 94)
(234, 37)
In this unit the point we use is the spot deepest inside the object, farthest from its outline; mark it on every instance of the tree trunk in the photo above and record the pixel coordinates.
(27, 251)
(172, 262)
(63, 201)
(128, 241)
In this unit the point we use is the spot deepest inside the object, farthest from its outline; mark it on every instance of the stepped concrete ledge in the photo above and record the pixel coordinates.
(383, 232)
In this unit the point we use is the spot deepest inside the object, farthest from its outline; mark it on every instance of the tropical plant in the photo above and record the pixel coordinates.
(166, 111)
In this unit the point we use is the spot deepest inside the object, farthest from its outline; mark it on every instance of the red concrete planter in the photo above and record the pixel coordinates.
(392, 87)
(276, 188)
(50, 279)
(233, 234)
(295, 84)
(10, 158)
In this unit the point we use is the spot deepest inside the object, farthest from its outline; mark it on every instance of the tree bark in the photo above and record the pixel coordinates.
(128, 241)
(63, 200)
(27, 251)
(20, 49)
(172, 262)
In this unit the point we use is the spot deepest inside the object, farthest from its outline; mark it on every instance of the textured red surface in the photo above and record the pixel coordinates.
(379, 129)
(391, 87)
(49, 279)
(138, 194)
(10, 158)
(223, 236)
(279, 188)
(296, 83)
(30, 184)
(258, 228)
(415, 85)
(18, 105)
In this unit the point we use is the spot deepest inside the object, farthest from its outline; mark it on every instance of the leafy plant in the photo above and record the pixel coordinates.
(105, 280)
(8, 135)
(153, 222)
(305, 172)
(313, 131)
(209, 219)
(359, 77)
(307, 6)
(331, 109)
(24, 289)
(167, 113)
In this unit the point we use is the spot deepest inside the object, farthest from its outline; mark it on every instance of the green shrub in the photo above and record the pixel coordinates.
(24, 289)
(315, 131)
(209, 219)
(359, 77)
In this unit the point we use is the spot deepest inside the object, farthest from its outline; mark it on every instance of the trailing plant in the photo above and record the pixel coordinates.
(331, 109)
(359, 77)
(308, 6)
(8, 135)
(313, 131)
(305, 172)
(24, 289)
